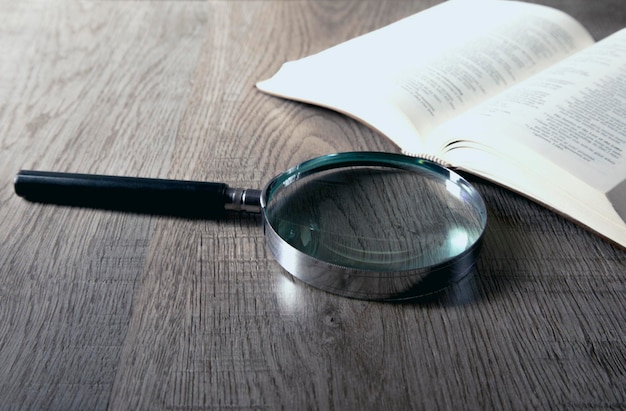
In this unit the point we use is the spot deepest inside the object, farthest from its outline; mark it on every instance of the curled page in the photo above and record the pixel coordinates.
(617, 197)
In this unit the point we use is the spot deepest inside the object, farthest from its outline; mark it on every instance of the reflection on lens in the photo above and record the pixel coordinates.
(376, 218)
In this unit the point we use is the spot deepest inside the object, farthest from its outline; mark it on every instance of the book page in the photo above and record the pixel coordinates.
(573, 115)
(568, 196)
(516, 41)
(558, 137)
(410, 76)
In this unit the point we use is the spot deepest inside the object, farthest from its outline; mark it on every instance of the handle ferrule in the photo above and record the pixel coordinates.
(240, 199)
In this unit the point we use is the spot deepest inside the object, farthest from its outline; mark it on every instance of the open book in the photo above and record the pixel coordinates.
(514, 92)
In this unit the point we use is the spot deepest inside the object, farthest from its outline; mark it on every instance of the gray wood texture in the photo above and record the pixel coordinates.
(104, 310)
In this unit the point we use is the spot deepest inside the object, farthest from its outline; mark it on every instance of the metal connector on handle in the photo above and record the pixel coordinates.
(240, 199)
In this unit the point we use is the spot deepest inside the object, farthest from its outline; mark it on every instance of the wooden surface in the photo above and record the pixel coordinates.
(104, 310)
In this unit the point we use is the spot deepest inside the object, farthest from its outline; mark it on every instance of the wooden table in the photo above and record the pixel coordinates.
(100, 309)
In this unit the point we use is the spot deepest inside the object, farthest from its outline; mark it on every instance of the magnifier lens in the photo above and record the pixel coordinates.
(375, 218)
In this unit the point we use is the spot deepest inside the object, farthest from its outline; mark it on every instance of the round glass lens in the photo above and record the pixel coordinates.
(378, 217)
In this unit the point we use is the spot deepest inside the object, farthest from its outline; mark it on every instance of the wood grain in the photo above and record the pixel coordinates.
(103, 310)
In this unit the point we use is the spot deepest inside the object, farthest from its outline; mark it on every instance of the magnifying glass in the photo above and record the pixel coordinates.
(365, 225)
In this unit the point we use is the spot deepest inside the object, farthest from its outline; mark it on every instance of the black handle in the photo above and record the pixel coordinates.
(142, 195)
